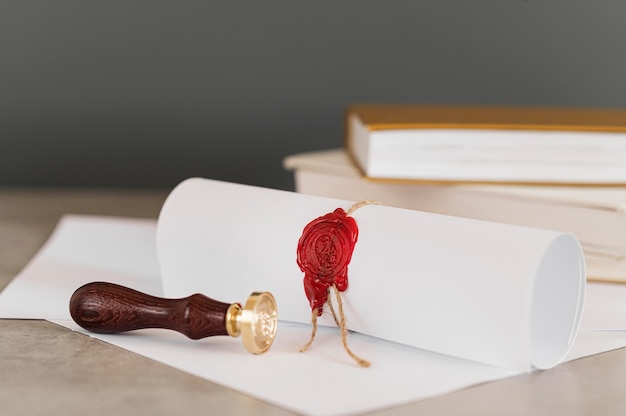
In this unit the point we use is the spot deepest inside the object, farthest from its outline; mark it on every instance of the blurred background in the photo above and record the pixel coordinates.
(148, 93)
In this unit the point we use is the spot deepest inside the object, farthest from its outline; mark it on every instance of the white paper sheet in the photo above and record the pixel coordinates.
(78, 253)
(85, 249)
(470, 289)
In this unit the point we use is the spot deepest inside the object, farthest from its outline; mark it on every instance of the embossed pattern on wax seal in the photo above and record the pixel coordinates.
(324, 252)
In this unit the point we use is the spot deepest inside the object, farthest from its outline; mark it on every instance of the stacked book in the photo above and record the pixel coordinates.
(559, 169)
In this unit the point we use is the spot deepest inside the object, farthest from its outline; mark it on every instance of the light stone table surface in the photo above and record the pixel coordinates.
(49, 370)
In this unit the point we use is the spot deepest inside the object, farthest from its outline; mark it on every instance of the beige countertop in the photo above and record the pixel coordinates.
(48, 370)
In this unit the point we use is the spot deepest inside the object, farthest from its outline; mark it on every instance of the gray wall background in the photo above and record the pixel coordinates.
(147, 93)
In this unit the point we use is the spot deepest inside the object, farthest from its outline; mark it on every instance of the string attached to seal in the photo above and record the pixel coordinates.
(324, 252)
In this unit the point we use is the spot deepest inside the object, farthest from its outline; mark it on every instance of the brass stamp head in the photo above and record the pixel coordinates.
(256, 322)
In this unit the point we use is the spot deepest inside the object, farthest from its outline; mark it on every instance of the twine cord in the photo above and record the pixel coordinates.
(313, 332)
(360, 204)
(344, 330)
(335, 318)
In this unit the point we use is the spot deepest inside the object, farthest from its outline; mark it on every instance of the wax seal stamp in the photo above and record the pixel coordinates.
(109, 308)
(324, 252)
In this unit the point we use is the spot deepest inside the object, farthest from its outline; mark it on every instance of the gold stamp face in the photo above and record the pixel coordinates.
(259, 322)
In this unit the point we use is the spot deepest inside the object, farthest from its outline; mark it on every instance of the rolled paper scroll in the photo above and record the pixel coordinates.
(499, 294)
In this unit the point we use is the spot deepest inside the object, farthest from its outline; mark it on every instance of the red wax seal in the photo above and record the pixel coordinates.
(324, 252)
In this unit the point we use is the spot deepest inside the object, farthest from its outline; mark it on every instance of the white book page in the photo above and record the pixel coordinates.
(496, 156)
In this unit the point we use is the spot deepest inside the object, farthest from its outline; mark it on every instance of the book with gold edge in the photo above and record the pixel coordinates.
(482, 144)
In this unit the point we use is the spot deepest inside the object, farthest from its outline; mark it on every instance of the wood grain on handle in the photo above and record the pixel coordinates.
(108, 308)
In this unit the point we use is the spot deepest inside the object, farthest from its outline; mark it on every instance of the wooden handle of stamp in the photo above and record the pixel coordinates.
(109, 308)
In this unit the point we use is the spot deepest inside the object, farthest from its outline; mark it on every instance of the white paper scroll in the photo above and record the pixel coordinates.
(497, 294)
